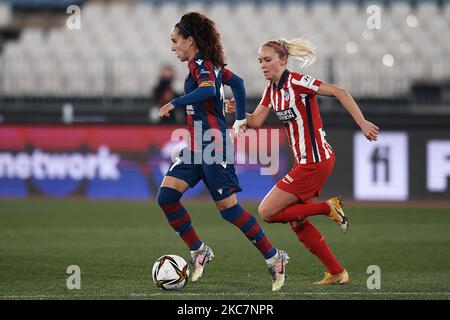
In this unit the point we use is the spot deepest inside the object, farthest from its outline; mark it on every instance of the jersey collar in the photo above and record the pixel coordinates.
(283, 78)
(198, 56)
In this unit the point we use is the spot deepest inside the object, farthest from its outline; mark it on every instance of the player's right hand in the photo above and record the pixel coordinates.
(166, 109)
(230, 105)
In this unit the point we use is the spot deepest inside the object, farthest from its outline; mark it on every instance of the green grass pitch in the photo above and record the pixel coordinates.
(115, 244)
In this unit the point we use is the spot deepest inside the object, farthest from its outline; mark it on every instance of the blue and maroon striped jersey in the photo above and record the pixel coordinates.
(208, 113)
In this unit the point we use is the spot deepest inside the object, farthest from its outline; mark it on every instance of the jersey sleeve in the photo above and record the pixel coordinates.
(226, 75)
(265, 100)
(306, 84)
(203, 72)
(237, 86)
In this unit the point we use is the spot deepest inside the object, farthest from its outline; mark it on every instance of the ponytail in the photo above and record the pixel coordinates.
(300, 49)
(205, 34)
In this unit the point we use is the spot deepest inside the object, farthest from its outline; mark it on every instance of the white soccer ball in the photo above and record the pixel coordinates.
(170, 272)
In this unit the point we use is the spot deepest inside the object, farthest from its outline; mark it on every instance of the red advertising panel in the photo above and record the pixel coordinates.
(120, 162)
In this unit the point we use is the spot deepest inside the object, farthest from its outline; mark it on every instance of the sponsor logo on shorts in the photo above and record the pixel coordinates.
(287, 179)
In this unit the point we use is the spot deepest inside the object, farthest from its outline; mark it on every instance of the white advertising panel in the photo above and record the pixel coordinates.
(438, 165)
(381, 167)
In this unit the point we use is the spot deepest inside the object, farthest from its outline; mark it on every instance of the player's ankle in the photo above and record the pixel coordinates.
(200, 249)
(273, 260)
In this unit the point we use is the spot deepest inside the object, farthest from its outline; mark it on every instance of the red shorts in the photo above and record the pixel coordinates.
(305, 181)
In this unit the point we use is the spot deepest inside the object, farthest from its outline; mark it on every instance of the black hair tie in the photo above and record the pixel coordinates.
(184, 28)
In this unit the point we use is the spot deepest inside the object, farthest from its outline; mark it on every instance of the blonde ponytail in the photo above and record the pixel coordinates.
(300, 49)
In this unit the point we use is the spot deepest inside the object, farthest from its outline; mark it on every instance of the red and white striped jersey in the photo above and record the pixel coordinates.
(295, 104)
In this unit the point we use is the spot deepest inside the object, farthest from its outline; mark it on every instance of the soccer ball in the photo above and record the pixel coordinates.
(170, 272)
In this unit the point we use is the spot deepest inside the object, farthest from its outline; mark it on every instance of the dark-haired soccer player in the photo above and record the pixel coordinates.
(196, 40)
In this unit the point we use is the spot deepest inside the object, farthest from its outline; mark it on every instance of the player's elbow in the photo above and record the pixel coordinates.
(235, 81)
(252, 122)
(240, 82)
(340, 92)
(256, 125)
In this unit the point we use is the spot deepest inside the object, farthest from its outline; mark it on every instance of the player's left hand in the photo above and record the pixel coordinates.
(240, 125)
(370, 130)
(165, 110)
(230, 105)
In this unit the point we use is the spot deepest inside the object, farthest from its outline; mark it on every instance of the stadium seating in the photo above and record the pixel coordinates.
(121, 46)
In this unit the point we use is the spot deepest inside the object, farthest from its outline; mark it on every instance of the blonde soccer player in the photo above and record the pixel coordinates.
(292, 96)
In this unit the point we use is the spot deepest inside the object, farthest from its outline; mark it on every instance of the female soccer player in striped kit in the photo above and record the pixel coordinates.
(196, 40)
(292, 96)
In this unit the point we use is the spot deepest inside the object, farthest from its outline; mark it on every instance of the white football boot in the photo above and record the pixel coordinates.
(199, 259)
(278, 270)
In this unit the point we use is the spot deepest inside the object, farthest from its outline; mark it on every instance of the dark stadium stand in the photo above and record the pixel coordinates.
(50, 4)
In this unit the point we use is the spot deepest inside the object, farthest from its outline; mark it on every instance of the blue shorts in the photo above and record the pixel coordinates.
(220, 178)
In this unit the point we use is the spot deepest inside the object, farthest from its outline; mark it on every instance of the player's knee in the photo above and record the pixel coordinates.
(167, 196)
(264, 212)
(161, 197)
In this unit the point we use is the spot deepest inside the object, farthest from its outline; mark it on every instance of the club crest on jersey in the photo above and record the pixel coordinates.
(286, 115)
(199, 61)
(286, 96)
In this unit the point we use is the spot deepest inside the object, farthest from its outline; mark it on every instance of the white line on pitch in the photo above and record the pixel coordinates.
(224, 294)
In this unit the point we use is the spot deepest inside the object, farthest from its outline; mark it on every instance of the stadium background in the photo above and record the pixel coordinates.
(78, 119)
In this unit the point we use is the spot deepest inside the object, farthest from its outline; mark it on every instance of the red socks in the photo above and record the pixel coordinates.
(315, 242)
(299, 211)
